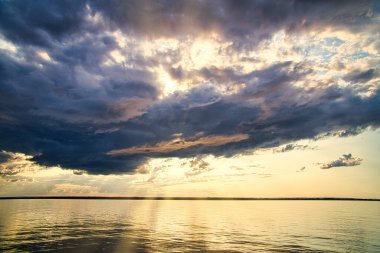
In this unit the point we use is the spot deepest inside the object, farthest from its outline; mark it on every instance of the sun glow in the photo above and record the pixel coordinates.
(168, 84)
(44, 55)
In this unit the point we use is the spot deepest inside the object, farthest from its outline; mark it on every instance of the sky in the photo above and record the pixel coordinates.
(190, 98)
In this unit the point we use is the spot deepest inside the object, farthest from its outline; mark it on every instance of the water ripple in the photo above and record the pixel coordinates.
(188, 226)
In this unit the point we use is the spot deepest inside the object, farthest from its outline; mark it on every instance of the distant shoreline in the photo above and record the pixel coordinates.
(180, 198)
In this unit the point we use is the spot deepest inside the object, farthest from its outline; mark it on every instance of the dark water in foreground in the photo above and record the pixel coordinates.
(188, 226)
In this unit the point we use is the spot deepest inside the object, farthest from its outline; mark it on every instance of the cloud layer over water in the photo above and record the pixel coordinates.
(103, 86)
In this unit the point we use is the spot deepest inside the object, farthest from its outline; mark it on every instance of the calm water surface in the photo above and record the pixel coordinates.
(188, 226)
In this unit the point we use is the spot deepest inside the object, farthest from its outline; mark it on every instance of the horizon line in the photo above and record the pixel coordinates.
(188, 198)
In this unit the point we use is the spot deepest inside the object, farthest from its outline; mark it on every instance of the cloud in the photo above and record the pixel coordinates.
(69, 189)
(302, 169)
(80, 81)
(4, 156)
(143, 169)
(23, 23)
(281, 115)
(79, 172)
(290, 147)
(238, 20)
(345, 161)
(234, 167)
(181, 144)
(357, 76)
(264, 175)
(14, 163)
(198, 166)
(156, 172)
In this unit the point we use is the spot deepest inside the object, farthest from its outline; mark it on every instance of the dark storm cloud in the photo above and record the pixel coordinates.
(62, 115)
(344, 161)
(293, 114)
(67, 109)
(45, 23)
(237, 20)
(77, 144)
(4, 157)
(40, 22)
(364, 76)
(79, 172)
(272, 76)
(71, 91)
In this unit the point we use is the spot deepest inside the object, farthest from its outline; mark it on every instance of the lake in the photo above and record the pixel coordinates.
(48, 225)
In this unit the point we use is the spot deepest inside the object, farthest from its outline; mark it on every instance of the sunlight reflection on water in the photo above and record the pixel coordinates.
(188, 226)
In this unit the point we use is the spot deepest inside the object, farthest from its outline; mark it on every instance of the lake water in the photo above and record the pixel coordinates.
(188, 226)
